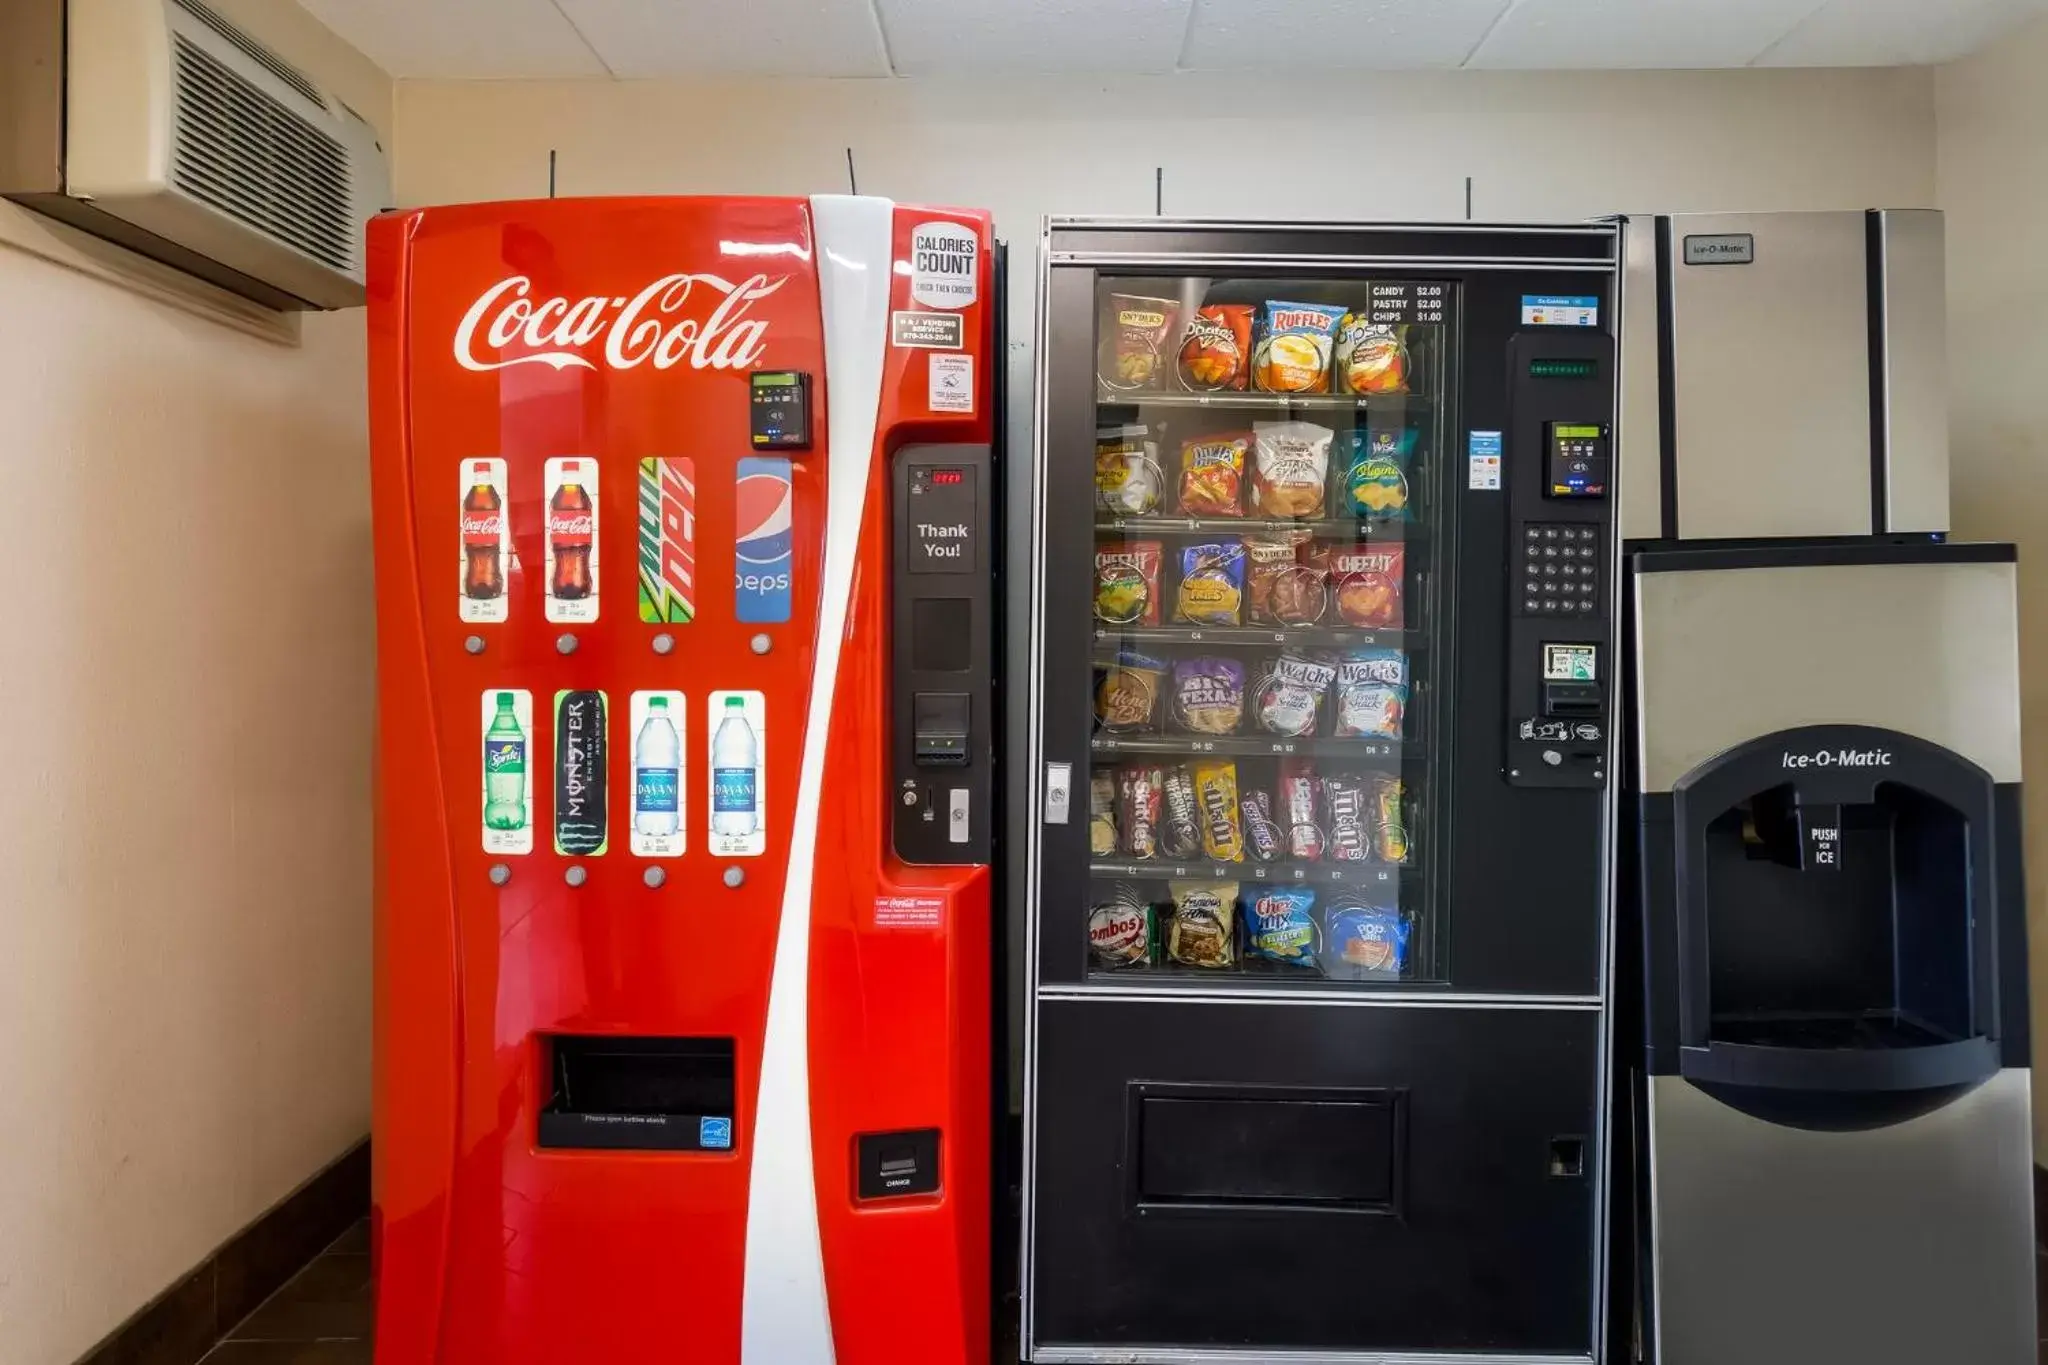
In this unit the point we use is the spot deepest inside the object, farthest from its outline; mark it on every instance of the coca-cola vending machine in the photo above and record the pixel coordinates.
(684, 564)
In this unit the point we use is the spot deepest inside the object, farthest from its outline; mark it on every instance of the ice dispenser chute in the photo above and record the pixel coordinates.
(1830, 961)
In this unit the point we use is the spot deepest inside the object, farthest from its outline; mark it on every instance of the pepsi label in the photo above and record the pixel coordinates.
(762, 545)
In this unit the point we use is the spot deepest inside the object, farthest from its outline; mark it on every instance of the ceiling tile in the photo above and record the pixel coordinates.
(1897, 32)
(1335, 34)
(461, 39)
(652, 38)
(1574, 34)
(950, 37)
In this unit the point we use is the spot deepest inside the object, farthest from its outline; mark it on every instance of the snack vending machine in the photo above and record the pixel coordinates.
(1320, 810)
(683, 918)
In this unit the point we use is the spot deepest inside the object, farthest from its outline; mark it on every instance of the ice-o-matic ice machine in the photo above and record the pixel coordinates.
(1823, 1073)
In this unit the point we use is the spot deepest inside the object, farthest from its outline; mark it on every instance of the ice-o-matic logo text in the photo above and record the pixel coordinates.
(1839, 758)
(658, 325)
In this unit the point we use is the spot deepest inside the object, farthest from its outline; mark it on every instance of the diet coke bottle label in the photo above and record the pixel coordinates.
(485, 555)
(703, 321)
(571, 502)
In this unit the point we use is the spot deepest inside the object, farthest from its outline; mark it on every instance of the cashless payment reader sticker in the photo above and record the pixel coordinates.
(1482, 458)
(1560, 310)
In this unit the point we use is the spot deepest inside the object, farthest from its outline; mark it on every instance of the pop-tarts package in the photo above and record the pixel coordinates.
(1364, 942)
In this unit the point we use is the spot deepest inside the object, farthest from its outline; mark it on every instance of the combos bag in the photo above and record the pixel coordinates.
(1131, 341)
(1216, 353)
(1295, 345)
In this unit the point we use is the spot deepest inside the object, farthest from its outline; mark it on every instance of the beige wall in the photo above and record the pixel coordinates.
(185, 722)
(1537, 145)
(1992, 176)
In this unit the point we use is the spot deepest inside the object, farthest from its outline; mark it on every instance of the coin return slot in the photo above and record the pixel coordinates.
(892, 1165)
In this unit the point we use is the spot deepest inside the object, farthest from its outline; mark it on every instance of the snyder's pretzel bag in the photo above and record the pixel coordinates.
(1131, 341)
(1290, 468)
(1372, 357)
(1216, 353)
(1284, 582)
(1212, 475)
(1127, 583)
(1293, 347)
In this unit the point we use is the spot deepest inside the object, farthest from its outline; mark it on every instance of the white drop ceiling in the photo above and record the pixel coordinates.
(638, 39)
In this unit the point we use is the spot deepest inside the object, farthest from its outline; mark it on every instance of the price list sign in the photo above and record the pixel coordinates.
(1399, 302)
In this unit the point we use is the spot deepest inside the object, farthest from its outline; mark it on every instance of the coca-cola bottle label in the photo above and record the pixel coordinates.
(484, 554)
(573, 539)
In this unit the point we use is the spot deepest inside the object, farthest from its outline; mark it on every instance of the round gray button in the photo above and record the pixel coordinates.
(500, 874)
(565, 643)
(474, 644)
(654, 876)
(1552, 757)
(734, 876)
(576, 875)
(664, 643)
(761, 644)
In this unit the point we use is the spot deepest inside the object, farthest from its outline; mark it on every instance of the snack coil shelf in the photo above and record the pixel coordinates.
(1275, 402)
(1380, 754)
(1284, 873)
(1259, 635)
(1389, 532)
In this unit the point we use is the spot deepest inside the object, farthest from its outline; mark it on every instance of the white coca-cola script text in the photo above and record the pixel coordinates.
(658, 325)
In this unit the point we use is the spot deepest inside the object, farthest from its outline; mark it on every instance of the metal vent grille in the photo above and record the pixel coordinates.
(253, 50)
(242, 152)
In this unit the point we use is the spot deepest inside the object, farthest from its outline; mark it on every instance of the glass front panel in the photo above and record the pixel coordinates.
(1270, 537)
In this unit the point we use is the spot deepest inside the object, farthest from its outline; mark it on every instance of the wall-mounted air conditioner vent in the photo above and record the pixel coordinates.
(178, 134)
(247, 155)
(253, 50)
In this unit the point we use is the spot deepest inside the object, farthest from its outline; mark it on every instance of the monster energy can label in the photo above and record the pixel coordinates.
(580, 773)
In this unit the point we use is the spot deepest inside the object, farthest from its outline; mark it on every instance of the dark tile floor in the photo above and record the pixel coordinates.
(321, 1317)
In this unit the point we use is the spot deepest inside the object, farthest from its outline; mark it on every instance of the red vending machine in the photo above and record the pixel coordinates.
(684, 567)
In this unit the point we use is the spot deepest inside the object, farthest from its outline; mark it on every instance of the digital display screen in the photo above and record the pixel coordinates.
(1571, 663)
(943, 477)
(785, 379)
(1562, 369)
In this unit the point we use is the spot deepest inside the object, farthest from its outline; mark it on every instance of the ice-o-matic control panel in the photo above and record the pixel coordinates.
(1557, 466)
(942, 752)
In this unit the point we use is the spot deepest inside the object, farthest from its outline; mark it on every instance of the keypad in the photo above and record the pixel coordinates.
(1559, 570)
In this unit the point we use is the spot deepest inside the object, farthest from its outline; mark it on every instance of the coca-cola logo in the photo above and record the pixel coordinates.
(572, 526)
(486, 528)
(664, 324)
